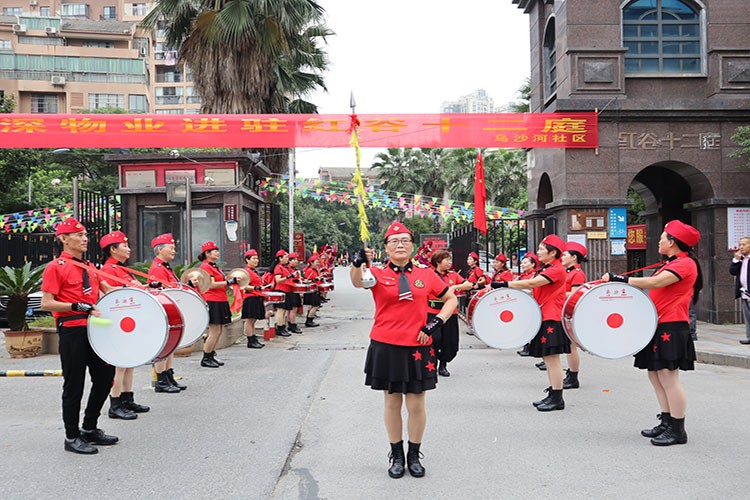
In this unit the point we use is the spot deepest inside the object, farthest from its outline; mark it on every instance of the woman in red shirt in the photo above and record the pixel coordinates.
(671, 288)
(548, 289)
(572, 258)
(502, 273)
(400, 360)
(529, 263)
(313, 299)
(252, 306)
(217, 300)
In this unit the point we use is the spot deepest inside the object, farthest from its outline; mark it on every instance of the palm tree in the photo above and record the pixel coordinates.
(399, 170)
(248, 56)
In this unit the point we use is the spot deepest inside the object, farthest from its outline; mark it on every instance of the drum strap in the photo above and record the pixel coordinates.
(61, 321)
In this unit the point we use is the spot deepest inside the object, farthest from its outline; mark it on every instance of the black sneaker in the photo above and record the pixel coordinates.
(97, 436)
(80, 446)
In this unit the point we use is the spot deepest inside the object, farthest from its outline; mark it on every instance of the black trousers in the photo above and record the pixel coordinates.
(445, 341)
(76, 355)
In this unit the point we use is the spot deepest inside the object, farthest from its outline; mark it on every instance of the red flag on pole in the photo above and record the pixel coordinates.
(480, 195)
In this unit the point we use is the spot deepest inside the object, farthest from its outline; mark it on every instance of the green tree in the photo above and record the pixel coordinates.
(741, 138)
(7, 103)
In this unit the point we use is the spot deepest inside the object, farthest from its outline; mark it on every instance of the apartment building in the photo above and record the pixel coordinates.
(67, 57)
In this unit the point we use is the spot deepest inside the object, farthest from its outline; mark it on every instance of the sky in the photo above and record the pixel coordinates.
(409, 56)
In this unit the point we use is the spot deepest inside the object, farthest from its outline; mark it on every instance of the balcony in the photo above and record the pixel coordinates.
(168, 99)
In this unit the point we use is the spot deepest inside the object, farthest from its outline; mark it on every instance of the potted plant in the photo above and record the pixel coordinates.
(17, 284)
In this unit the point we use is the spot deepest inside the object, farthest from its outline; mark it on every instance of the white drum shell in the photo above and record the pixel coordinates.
(194, 314)
(588, 324)
(507, 333)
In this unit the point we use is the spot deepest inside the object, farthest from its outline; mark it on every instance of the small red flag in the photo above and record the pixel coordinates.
(480, 195)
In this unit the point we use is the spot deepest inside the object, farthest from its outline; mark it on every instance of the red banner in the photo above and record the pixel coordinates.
(506, 130)
(636, 237)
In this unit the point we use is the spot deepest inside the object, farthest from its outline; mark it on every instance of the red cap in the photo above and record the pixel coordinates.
(208, 246)
(397, 228)
(281, 253)
(69, 226)
(572, 246)
(112, 238)
(162, 239)
(324, 248)
(683, 232)
(313, 258)
(533, 257)
(474, 254)
(252, 252)
(501, 257)
(293, 255)
(555, 241)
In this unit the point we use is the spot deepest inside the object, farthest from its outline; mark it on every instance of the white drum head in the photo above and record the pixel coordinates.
(194, 314)
(506, 318)
(135, 331)
(613, 320)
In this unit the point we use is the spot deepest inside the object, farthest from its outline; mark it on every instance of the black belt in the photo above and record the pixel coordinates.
(61, 321)
(436, 304)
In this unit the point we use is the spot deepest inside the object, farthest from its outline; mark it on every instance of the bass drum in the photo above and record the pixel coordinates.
(194, 311)
(143, 326)
(609, 320)
(504, 318)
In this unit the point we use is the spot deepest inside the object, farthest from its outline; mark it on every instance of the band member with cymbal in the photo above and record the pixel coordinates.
(70, 290)
(548, 289)
(217, 299)
(400, 360)
(672, 287)
(572, 258)
(312, 275)
(161, 274)
(252, 306)
(116, 251)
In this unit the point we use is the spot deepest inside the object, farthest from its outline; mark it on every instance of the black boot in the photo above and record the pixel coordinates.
(675, 433)
(170, 376)
(555, 401)
(443, 369)
(571, 380)
(127, 402)
(164, 385)
(396, 470)
(208, 361)
(294, 328)
(218, 361)
(281, 331)
(309, 323)
(542, 366)
(543, 400)
(412, 460)
(117, 410)
(665, 418)
(253, 343)
(524, 352)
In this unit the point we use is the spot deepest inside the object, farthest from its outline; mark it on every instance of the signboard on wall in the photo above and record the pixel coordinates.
(436, 240)
(636, 239)
(738, 225)
(299, 246)
(588, 220)
(618, 223)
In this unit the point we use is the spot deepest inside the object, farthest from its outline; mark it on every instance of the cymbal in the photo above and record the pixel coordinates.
(243, 278)
(200, 278)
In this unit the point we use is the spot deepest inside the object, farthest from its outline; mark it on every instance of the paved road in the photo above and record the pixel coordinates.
(294, 421)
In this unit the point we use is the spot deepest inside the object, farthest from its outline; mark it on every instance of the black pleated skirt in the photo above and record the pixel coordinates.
(549, 340)
(252, 308)
(219, 313)
(670, 348)
(400, 369)
(311, 299)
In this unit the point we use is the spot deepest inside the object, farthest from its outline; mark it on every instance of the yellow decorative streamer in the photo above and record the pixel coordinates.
(359, 189)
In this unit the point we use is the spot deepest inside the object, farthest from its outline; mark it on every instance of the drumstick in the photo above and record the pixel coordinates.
(96, 320)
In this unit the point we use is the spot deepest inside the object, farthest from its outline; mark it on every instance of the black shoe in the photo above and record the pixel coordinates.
(97, 436)
(555, 401)
(543, 400)
(443, 369)
(412, 460)
(122, 413)
(281, 332)
(80, 446)
(294, 328)
(694, 336)
(470, 332)
(170, 377)
(253, 343)
(675, 434)
(164, 385)
(659, 429)
(524, 352)
(127, 402)
(542, 366)
(208, 362)
(396, 470)
(218, 361)
(309, 323)
(571, 380)
(745, 341)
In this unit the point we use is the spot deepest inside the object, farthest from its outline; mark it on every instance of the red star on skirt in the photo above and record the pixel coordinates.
(544, 340)
(417, 356)
(430, 366)
(665, 337)
(550, 329)
(654, 347)
(432, 352)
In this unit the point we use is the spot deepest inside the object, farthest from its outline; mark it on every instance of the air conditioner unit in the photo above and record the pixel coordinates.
(58, 80)
(33, 3)
(50, 30)
(143, 51)
(19, 28)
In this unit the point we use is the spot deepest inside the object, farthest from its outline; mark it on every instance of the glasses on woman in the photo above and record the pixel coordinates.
(399, 241)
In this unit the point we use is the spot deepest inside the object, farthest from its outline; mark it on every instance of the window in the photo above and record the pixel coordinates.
(109, 13)
(177, 111)
(44, 11)
(12, 11)
(137, 103)
(139, 9)
(168, 95)
(549, 63)
(44, 103)
(75, 10)
(662, 37)
(41, 40)
(99, 44)
(4, 44)
(98, 101)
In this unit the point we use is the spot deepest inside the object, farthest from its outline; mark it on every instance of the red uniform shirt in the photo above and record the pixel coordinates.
(502, 275)
(64, 280)
(450, 278)
(115, 268)
(312, 274)
(254, 281)
(283, 271)
(673, 302)
(162, 272)
(575, 277)
(398, 322)
(551, 298)
(214, 294)
(526, 275)
(474, 274)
